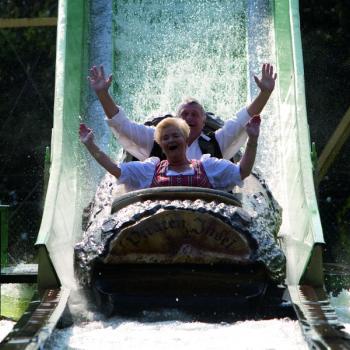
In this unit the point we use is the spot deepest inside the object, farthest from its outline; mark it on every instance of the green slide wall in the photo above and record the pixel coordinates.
(62, 212)
(301, 220)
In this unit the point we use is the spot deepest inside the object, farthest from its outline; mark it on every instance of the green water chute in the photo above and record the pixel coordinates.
(61, 218)
(304, 237)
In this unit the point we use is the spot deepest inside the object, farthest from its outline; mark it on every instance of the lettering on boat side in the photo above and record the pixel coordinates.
(179, 232)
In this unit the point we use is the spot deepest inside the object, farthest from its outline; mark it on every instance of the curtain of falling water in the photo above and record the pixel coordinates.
(166, 50)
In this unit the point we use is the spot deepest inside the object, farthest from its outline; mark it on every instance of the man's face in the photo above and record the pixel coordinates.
(192, 114)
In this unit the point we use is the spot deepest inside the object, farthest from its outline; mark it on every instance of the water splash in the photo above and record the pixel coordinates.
(174, 334)
(341, 303)
(167, 50)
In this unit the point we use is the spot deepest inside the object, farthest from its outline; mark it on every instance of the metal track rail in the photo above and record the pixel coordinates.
(37, 323)
(317, 318)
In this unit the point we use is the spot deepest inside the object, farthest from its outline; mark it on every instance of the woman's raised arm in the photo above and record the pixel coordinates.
(247, 162)
(87, 138)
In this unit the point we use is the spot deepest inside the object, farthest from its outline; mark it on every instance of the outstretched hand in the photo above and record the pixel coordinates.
(253, 126)
(98, 80)
(268, 78)
(86, 134)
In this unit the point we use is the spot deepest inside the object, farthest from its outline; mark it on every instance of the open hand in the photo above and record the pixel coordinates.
(98, 80)
(86, 134)
(267, 81)
(253, 126)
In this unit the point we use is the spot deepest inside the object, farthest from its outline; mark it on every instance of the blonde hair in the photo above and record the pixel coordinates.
(190, 101)
(178, 123)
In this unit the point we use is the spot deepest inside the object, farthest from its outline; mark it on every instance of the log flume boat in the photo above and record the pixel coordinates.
(179, 247)
(184, 247)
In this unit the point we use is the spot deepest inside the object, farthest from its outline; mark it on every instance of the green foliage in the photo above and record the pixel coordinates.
(343, 221)
(332, 17)
(27, 70)
(26, 101)
(28, 8)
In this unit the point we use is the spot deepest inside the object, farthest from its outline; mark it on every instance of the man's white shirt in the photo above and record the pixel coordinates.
(138, 139)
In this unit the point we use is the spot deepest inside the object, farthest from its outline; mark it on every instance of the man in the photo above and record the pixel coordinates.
(138, 139)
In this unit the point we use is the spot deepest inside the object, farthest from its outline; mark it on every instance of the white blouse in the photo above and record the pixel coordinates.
(222, 174)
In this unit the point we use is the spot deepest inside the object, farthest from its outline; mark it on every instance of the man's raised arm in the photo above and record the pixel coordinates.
(266, 85)
(100, 85)
(135, 138)
(233, 134)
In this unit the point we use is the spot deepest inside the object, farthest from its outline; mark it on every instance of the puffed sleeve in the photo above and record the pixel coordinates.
(233, 135)
(138, 175)
(136, 138)
(222, 174)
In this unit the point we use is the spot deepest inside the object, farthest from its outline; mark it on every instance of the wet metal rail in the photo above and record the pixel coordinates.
(317, 318)
(37, 323)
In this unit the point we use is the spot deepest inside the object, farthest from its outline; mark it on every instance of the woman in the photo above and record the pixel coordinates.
(172, 135)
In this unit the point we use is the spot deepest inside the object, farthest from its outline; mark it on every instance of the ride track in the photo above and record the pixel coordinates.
(66, 194)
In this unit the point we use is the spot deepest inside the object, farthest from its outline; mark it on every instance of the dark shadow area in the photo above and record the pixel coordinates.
(325, 28)
(27, 72)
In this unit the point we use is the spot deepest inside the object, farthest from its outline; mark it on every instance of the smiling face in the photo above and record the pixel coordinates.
(193, 114)
(172, 141)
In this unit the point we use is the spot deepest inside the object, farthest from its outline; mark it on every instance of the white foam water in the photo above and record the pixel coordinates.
(5, 328)
(341, 304)
(130, 334)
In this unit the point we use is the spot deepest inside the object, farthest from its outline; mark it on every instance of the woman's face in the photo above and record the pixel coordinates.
(172, 141)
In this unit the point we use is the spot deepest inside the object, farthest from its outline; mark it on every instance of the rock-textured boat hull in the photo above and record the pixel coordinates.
(190, 242)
